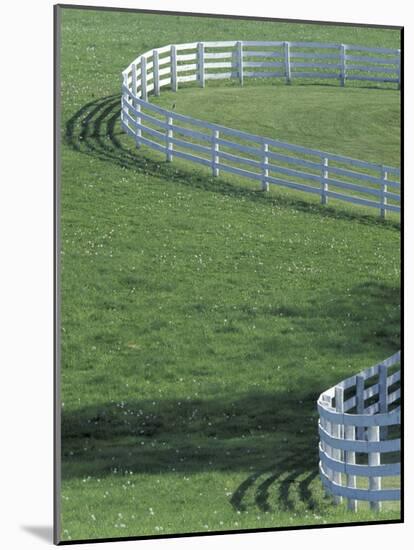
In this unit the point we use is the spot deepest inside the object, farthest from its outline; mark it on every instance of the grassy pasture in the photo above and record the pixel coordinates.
(200, 318)
(356, 122)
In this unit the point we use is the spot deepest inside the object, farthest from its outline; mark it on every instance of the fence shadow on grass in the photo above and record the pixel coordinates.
(267, 434)
(292, 488)
(264, 433)
(95, 130)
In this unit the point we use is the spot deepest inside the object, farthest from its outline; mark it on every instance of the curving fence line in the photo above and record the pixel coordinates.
(259, 158)
(359, 417)
(359, 425)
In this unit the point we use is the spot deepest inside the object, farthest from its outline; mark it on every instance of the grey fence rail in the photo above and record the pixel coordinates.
(359, 436)
(259, 158)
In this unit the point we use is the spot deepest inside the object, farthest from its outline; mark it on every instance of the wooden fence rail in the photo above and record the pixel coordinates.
(266, 160)
(355, 437)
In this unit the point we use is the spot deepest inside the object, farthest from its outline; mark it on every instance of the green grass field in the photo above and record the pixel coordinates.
(201, 318)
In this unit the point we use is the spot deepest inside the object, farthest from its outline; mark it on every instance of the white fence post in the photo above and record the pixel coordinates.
(136, 105)
(124, 95)
(384, 177)
(240, 61)
(360, 383)
(350, 459)
(156, 71)
(265, 183)
(287, 62)
(144, 94)
(200, 55)
(324, 181)
(173, 55)
(169, 135)
(329, 449)
(383, 397)
(125, 101)
(215, 153)
(343, 64)
(337, 432)
(134, 83)
(374, 459)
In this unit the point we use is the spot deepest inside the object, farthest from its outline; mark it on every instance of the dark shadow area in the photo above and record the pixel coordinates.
(221, 424)
(367, 316)
(42, 532)
(95, 130)
(267, 433)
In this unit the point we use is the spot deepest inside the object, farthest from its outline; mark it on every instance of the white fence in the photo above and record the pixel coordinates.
(356, 434)
(265, 160)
